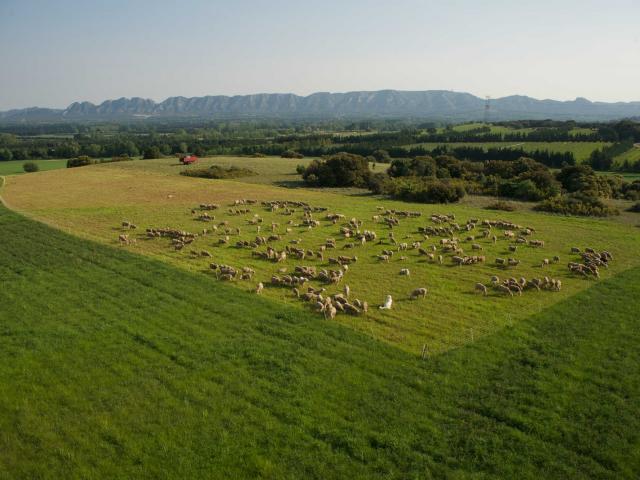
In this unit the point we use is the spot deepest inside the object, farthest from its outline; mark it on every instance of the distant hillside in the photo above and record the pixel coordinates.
(431, 104)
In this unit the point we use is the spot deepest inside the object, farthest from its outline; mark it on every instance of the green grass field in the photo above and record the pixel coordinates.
(581, 150)
(500, 129)
(632, 156)
(93, 201)
(14, 167)
(113, 365)
(465, 127)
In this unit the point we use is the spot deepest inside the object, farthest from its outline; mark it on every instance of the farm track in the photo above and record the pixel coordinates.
(129, 370)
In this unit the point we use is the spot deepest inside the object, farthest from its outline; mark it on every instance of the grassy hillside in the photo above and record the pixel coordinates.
(632, 156)
(93, 201)
(270, 170)
(116, 366)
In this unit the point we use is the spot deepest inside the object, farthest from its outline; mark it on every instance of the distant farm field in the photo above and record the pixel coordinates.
(632, 156)
(93, 202)
(581, 150)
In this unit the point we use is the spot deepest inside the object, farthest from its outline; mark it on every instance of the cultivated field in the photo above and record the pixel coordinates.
(581, 150)
(632, 156)
(93, 202)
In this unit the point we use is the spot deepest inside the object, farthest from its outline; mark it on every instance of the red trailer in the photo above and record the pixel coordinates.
(188, 159)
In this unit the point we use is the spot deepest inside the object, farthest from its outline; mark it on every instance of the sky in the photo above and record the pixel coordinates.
(56, 52)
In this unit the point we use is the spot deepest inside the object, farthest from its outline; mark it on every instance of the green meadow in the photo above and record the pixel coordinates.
(142, 370)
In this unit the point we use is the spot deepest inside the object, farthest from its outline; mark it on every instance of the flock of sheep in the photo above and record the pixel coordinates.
(453, 241)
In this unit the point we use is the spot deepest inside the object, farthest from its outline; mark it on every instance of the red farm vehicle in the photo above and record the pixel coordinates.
(188, 159)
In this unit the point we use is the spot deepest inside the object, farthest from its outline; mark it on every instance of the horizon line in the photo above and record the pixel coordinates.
(490, 98)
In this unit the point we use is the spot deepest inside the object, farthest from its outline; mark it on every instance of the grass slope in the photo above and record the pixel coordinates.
(116, 366)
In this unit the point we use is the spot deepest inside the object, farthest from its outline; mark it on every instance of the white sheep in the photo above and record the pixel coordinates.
(388, 302)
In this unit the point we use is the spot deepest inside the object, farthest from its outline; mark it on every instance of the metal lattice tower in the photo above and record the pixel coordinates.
(487, 108)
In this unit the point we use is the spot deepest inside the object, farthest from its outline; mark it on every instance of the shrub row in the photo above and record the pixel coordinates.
(577, 204)
(218, 172)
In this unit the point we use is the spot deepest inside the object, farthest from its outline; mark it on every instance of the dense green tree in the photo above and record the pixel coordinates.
(340, 170)
(5, 155)
(92, 150)
(151, 152)
(68, 149)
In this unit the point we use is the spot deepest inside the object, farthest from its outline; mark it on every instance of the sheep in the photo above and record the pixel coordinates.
(556, 259)
(440, 259)
(513, 248)
(481, 288)
(500, 261)
(405, 271)
(330, 311)
(352, 309)
(545, 262)
(457, 260)
(259, 288)
(476, 246)
(418, 292)
(504, 289)
(123, 239)
(388, 302)
(346, 291)
(513, 262)
(383, 258)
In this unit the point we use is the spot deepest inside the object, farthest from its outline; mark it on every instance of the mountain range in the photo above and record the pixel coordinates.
(430, 104)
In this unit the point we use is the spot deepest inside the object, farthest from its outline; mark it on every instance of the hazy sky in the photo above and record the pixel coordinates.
(58, 51)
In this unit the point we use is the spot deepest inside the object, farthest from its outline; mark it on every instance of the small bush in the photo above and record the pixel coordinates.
(30, 167)
(151, 153)
(258, 155)
(218, 172)
(634, 208)
(291, 154)
(300, 169)
(577, 204)
(80, 161)
(502, 205)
